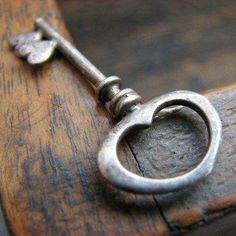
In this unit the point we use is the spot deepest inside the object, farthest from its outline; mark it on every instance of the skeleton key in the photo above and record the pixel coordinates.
(125, 104)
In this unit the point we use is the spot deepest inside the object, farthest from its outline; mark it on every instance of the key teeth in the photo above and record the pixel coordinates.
(22, 50)
(29, 45)
(25, 38)
(40, 51)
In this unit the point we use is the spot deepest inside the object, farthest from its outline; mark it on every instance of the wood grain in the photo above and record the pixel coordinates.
(51, 129)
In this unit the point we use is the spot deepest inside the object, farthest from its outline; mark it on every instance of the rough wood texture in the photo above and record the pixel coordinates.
(157, 45)
(51, 129)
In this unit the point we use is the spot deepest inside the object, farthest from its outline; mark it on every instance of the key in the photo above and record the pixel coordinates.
(125, 104)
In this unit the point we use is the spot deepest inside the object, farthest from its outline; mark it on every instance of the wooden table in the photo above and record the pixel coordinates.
(51, 129)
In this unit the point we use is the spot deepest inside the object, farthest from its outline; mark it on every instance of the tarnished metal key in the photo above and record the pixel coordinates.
(38, 46)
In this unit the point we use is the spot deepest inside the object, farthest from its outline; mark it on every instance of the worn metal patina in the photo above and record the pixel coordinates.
(124, 104)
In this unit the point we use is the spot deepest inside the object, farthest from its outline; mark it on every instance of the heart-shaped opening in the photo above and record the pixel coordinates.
(173, 145)
(112, 169)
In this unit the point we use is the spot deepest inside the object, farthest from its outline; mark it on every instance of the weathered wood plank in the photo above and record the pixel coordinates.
(220, 226)
(50, 132)
(176, 144)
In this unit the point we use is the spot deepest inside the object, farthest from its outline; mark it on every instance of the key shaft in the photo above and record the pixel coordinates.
(92, 73)
(38, 47)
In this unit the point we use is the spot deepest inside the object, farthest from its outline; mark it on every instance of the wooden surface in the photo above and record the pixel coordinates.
(174, 145)
(51, 129)
(157, 46)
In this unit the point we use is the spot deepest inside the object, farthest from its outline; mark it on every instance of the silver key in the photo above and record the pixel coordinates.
(126, 105)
